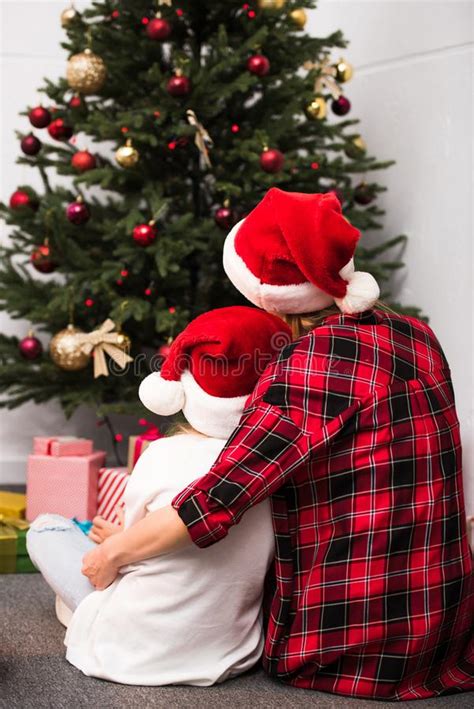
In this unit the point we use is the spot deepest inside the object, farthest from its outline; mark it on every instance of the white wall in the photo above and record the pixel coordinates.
(413, 92)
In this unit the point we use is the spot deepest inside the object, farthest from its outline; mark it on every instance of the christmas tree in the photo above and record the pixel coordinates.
(171, 123)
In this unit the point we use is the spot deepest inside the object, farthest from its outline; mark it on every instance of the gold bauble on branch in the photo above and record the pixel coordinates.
(357, 148)
(65, 350)
(123, 341)
(86, 72)
(299, 17)
(69, 15)
(344, 71)
(127, 155)
(317, 109)
(271, 4)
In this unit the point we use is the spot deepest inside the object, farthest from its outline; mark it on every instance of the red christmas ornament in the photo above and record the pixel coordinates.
(158, 28)
(83, 160)
(39, 117)
(21, 199)
(272, 160)
(164, 351)
(30, 347)
(363, 194)
(258, 64)
(145, 234)
(224, 218)
(42, 260)
(76, 102)
(178, 85)
(78, 213)
(59, 130)
(30, 145)
(341, 106)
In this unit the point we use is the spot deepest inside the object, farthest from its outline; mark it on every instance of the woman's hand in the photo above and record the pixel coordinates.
(99, 566)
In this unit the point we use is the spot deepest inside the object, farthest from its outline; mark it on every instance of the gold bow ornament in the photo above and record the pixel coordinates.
(326, 80)
(12, 542)
(202, 138)
(103, 341)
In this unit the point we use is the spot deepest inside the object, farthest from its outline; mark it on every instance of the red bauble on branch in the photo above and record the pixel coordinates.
(145, 234)
(341, 106)
(158, 29)
(83, 160)
(258, 64)
(224, 217)
(42, 260)
(59, 130)
(76, 102)
(164, 350)
(30, 347)
(30, 144)
(22, 200)
(39, 117)
(272, 160)
(178, 85)
(77, 212)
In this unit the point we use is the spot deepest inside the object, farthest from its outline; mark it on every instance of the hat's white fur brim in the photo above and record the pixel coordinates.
(297, 298)
(212, 415)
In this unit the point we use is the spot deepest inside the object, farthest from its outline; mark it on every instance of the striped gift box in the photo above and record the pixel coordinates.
(112, 484)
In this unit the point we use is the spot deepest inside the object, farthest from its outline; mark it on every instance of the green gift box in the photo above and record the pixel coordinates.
(14, 557)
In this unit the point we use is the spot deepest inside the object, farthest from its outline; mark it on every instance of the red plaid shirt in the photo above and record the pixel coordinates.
(354, 435)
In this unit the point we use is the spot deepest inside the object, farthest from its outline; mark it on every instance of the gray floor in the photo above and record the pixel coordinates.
(34, 673)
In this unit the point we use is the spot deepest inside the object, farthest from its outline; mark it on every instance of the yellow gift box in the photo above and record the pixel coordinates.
(12, 504)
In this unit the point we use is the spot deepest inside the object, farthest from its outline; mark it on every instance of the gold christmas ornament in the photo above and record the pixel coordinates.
(102, 341)
(127, 155)
(68, 15)
(65, 350)
(317, 109)
(271, 4)
(357, 147)
(202, 139)
(86, 72)
(344, 71)
(299, 17)
(123, 341)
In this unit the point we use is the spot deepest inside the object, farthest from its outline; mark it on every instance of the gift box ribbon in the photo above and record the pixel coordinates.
(151, 434)
(9, 528)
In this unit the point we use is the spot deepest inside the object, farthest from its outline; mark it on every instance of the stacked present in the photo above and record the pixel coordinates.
(62, 477)
(67, 477)
(14, 558)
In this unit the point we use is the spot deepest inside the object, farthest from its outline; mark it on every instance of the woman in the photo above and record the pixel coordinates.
(354, 436)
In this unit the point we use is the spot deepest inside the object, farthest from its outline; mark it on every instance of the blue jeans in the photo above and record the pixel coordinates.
(56, 547)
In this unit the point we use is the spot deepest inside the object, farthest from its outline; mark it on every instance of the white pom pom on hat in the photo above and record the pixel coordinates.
(293, 254)
(161, 396)
(362, 291)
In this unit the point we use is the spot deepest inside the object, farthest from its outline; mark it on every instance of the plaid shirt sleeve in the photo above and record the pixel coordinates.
(262, 454)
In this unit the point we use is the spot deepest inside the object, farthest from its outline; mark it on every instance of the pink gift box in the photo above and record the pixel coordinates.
(112, 484)
(63, 485)
(61, 445)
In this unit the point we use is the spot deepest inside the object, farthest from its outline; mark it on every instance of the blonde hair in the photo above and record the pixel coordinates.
(305, 322)
(180, 427)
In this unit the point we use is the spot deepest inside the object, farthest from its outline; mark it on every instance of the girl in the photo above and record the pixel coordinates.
(191, 616)
(353, 434)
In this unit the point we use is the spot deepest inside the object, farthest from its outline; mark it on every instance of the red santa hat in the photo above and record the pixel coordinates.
(294, 254)
(213, 366)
